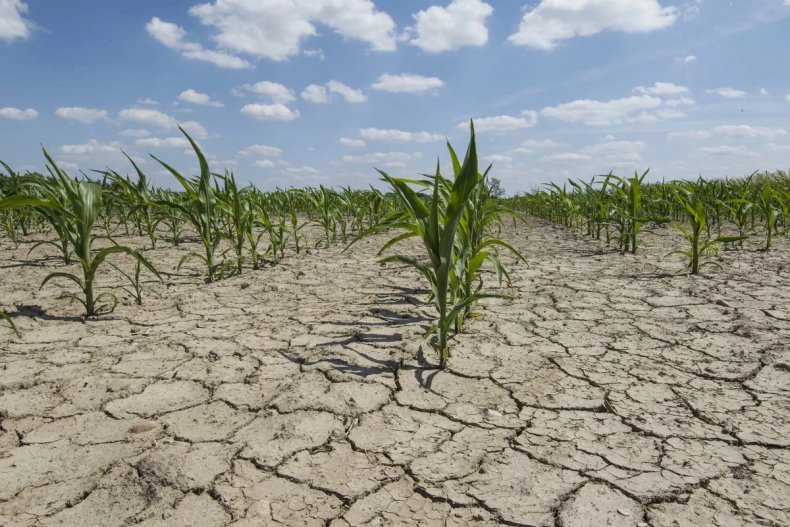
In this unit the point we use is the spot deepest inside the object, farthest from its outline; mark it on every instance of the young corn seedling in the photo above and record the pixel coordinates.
(4, 316)
(139, 196)
(436, 225)
(476, 243)
(136, 288)
(199, 207)
(688, 197)
(82, 202)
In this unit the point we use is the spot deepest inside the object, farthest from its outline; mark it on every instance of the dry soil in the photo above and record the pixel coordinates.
(609, 392)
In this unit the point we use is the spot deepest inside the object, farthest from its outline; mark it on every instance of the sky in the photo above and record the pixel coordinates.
(322, 92)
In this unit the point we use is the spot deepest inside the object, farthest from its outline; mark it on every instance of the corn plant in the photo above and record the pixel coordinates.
(76, 205)
(139, 196)
(689, 198)
(199, 207)
(136, 288)
(476, 243)
(436, 225)
(766, 203)
(4, 316)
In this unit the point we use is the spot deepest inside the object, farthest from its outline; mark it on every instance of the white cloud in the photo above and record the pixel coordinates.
(462, 23)
(351, 142)
(317, 53)
(135, 132)
(778, 147)
(787, 97)
(568, 156)
(735, 151)
(503, 123)
(12, 24)
(264, 163)
(407, 83)
(378, 134)
(662, 88)
(688, 59)
(172, 36)
(274, 29)
(659, 115)
(168, 142)
(680, 101)
(763, 91)
(261, 150)
(728, 93)
(318, 94)
(315, 93)
(349, 94)
(270, 112)
(601, 113)
(91, 147)
(18, 115)
(148, 102)
(555, 20)
(496, 158)
(275, 91)
(201, 99)
(302, 170)
(689, 135)
(83, 115)
(751, 132)
(157, 119)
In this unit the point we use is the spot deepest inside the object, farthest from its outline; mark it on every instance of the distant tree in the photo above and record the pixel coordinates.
(496, 188)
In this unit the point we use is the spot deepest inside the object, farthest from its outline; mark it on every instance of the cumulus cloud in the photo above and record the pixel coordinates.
(274, 91)
(264, 163)
(18, 115)
(167, 142)
(158, 119)
(93, 146)
(270, 112)
(750, 132)
(274, 29)
(601, 113)
(726, 150)
(135, 132)
(319, 94)
(378, 134)
(315, 93)
(173, 36)
(662, 88)
(407, 83)
(555, 20)
(346, 141)
(728, 93)
(82, 115)
(462, 23)
(13, 25)
(503, 123)
(567, 156)
(349, 94)
(195, 97)
(261, 150)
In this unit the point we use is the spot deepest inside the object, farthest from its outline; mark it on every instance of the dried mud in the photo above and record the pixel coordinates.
(608, 392)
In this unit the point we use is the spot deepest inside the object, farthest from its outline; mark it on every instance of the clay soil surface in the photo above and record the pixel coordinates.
(608, 392)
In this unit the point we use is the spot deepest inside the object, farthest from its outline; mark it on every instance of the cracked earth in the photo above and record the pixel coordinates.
(608, 392)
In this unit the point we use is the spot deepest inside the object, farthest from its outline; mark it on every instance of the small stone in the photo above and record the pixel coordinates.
(145, 426)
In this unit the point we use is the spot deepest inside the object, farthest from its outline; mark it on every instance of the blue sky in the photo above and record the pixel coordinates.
(308, 92)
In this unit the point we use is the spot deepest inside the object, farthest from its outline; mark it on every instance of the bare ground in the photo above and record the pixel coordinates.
(609, 392)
